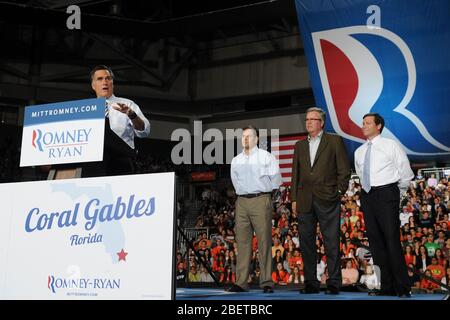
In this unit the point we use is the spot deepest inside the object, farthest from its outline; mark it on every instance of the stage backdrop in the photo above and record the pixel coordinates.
(63, 132)
(95, 238)
(390, 57)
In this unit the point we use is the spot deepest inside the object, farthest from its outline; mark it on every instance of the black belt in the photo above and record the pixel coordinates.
(253, 195)
(383, 186)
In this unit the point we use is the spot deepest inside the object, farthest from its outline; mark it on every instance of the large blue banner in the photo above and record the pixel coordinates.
(390, 57)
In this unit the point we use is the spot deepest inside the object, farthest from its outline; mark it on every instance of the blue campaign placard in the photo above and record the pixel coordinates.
(63, 132)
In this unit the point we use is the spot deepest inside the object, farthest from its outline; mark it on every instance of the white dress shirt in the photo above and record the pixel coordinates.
(314, 146)
(388, 163)
(256, 172)
(404, 217)
(122, 125)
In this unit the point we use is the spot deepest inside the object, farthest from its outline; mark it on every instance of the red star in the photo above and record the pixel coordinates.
(122, 255)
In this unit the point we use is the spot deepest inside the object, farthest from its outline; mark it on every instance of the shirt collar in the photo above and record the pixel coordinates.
(318, 137)
(374, 140)
(252, 151)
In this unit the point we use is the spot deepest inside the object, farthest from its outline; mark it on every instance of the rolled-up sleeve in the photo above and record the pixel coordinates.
(141, 133)
(274, 172)
(403, 167)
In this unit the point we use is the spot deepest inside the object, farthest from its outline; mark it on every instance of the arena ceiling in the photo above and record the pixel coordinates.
(35, 33)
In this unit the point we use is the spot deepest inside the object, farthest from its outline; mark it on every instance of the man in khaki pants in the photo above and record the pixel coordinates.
(254, 173)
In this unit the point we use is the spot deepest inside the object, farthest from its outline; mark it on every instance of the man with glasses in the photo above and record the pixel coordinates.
(321, 172)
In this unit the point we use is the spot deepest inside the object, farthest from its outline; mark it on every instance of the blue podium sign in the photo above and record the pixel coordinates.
(65, 132)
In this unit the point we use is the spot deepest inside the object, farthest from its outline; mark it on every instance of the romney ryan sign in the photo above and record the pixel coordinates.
(64, 132)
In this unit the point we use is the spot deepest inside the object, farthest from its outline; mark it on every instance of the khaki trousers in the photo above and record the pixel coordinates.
(254, 214)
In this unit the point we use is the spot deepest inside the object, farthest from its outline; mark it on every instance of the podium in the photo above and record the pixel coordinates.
(75, 139)
(117, 159)
(99, 256)
(56, 174)
(63, 134)
(106, 229)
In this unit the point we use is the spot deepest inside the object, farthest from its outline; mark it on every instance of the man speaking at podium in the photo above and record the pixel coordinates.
(124, 120)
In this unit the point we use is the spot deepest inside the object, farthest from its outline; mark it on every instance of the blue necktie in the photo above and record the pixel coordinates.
(366, 169)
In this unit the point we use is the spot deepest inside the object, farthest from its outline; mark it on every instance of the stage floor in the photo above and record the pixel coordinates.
(256, 294)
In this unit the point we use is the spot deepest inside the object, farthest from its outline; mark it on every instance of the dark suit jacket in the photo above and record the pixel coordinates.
(329, 174)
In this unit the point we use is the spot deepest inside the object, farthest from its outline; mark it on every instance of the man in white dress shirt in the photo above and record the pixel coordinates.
(124, 121)
(254, 173)
(385, 173)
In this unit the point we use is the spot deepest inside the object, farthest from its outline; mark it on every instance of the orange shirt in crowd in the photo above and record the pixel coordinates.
(360, 215)
(410, 259)
(281, 223)
(427, 284)
(216, 250)
(280, 277)
(437, 271)
(293, 261)
(218, 266)
(350, 246)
